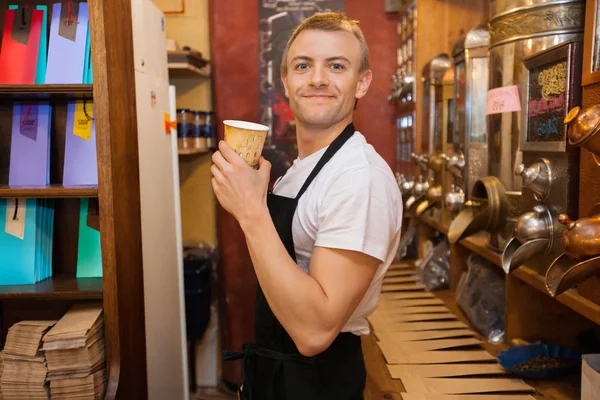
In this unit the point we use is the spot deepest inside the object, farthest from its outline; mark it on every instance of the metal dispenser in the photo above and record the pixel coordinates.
(550, 169)
(518, 28)
(432, 133)
(471, 69)
(469, 138)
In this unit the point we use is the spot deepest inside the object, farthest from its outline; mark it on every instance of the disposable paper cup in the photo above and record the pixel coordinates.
(246, 138)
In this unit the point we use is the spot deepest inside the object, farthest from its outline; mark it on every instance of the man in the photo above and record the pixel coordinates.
(322, 241)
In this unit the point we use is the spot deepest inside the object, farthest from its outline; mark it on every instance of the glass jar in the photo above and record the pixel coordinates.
(199, 139)
(210, 130)
(185, 128)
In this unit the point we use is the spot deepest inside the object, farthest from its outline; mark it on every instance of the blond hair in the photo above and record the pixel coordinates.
(330, 22)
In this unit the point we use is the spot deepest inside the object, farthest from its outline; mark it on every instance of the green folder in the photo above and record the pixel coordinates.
(40, 69)
(89, 255)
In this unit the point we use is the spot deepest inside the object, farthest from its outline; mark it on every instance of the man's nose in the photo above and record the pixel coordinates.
(319, 77)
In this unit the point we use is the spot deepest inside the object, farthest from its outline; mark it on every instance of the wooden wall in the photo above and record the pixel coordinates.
(234, 49)
(440, 23)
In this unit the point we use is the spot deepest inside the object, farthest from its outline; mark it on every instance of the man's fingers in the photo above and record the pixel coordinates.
(229, 154)
(218, 175)
(264, 168)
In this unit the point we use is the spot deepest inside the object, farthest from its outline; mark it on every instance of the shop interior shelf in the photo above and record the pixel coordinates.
(478, 244)
(183, 152)
(187, 71)
(58, 287)
(50, 191)
(46, 91)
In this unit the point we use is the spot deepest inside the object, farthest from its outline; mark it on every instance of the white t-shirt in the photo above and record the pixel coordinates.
(354, 203)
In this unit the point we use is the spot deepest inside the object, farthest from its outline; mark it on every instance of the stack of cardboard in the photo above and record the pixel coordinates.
(24, 371)
(75, 353)
(433, 353)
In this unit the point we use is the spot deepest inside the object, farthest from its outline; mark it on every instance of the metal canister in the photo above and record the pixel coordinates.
(199, 137)
(471, 70)
(185, 128)
(519, 28)
(210, 130)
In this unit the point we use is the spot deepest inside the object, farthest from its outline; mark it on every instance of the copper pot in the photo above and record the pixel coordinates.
(584, 127)
(581, 239)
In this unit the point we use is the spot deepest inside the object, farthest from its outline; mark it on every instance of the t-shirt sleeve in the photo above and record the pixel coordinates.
(359, 212)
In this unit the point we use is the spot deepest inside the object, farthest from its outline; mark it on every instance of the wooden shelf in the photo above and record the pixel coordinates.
(185, 152)
(187, 71)
(50, 191)
(56, 288)
(46, 91)
(478, 244)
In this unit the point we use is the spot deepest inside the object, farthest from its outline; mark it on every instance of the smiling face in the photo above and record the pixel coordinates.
(323, 79)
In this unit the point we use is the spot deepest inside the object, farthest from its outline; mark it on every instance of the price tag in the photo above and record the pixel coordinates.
(504, 99)
(82, 126)
(28, 117)
(15, 217)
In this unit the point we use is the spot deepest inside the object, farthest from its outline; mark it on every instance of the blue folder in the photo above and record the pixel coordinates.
(67, 55)
(30, 144)
(27, 260)
(81, 167)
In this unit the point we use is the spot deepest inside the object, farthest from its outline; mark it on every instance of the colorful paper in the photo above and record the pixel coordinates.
(89, 255)
(503, 99)
(68, 42)
(20, 46)
(30, 159)
(80, 167)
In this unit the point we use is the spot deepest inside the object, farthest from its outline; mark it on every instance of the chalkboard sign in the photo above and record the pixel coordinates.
(547, 103)
(551, 87)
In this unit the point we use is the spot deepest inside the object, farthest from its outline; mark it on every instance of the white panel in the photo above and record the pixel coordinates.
(166, 348)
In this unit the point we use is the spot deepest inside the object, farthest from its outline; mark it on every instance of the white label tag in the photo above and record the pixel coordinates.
(15, 217)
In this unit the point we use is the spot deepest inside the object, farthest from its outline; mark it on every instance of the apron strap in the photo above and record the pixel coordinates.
(329, 153)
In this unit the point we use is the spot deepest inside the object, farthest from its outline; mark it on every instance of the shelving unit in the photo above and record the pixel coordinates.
(121, 289)
(187, 71)
(56, 288)
(478, 244)
(187, 152)
(45, 91)
(50, 191)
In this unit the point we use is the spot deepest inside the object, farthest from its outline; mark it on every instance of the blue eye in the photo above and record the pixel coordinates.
(301, 66)
(337, 66)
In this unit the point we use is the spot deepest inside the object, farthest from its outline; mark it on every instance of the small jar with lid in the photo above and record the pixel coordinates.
(199, 136)
(210, 130)
(185, 128)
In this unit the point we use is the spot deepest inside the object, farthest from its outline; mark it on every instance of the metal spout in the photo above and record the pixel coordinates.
(565, 273)
(468, 222)
(412, 203)
(516, 254)
(424, 206)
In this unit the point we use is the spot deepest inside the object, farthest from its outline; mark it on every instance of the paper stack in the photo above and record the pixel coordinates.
(24, 365)
(75, 353)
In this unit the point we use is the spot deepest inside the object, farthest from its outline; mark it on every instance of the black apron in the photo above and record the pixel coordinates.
(273, 368)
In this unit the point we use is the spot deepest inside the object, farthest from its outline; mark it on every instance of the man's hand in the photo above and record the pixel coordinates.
(240, 189)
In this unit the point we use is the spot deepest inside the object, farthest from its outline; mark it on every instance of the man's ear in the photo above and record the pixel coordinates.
(363, 84)
(285, 87)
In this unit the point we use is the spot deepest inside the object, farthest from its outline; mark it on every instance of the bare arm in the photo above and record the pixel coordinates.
(313, 307)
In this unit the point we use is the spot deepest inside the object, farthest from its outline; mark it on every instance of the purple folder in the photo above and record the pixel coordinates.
(30, 145)
(80, 155)
(68, 39)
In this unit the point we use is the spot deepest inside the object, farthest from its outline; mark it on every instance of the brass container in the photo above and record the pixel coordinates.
(584, 127)
(581, 259)
(519, 28)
